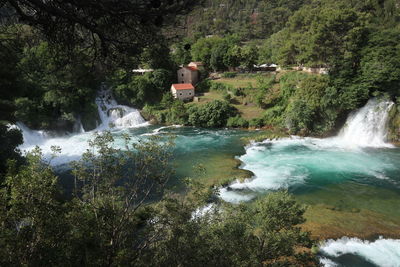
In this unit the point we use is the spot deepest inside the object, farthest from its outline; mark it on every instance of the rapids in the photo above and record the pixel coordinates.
(357, 253)
(355, 170)
(359, 150)
(358, 158)
(116, 118)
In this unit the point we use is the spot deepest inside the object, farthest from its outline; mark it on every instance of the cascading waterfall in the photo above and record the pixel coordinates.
(74, 145)
(31, 137)
(293, 161)
(113, 115)
(301, 164)
(367, 127)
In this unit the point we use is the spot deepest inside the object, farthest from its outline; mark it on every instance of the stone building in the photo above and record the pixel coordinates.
(183, 91)
(188, 74)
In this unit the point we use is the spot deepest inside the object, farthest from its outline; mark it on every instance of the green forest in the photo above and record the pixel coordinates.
(54, 57)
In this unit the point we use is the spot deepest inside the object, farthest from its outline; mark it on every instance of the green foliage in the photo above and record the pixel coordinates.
(220, 54)
(212, 114)
(318, 35)
(216, 86)
(181, 53)
(157, 56)
(264, 87)
(204, 85)
(229, 75)
(265, 233)
(247, 19)
(103, 219)
(256, 123)
(50, 90)
(139, 90)
(380, 64)
(233, 57)
(237, 122)
(217, 56)
(249, 56)
(10, 138)
(306, 104)
(32, 216)
(203, 48)
(110, 220)
(227, 97)
(177, 114)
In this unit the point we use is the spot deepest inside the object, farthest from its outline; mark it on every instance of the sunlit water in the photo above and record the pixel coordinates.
(304, 166)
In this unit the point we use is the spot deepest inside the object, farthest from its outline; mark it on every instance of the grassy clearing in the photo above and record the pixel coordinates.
(247, 109)
(243, 80)
(246, 106)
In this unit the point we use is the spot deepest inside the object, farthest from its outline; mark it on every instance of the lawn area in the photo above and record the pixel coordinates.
(248, 111)
(243, 80)
(246, 106)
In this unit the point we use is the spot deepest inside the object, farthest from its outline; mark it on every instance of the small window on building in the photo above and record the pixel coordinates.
(190, 93)
(180, 93)
(182, 74)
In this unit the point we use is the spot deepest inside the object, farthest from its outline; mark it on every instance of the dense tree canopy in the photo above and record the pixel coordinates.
(109, 221)
(107, 26)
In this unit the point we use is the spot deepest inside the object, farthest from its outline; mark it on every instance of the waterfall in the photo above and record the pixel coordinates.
(113, 115)
(78, 127)
(367, 127)
(74, 144)
(31, 137)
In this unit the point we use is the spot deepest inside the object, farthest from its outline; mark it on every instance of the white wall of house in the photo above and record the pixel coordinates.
(185, 94)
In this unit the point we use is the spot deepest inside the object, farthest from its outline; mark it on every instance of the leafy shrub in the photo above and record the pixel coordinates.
(257, 122)
(203, 86)
(212, 114)
(238, 92)
(219, 86)
(229, 74)
(227, 97)
(237, 122)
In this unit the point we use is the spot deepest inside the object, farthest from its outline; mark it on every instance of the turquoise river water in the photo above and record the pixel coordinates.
(355, 173)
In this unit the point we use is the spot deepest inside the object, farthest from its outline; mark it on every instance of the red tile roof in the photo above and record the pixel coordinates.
(183, 86)
(192, 68)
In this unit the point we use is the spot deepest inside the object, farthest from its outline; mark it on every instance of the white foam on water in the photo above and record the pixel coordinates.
(31, 137)
(159, 130)
(382, 252)
(367, 127)
(282, 163)
(113, 117)
(327, 262)
(234, 196)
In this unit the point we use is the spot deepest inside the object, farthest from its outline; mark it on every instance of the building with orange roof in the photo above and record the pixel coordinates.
(183, 91)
